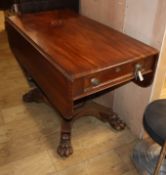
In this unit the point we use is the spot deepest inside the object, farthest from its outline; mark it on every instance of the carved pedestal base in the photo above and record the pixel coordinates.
(88, 109)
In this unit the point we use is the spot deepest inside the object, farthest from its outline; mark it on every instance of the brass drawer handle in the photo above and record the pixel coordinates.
(95, 81)
(138, 72)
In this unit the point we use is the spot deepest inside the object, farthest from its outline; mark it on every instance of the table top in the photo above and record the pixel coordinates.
(76, 45)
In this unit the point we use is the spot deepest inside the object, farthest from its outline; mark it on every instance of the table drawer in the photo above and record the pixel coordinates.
(105, 77)
(110, 77)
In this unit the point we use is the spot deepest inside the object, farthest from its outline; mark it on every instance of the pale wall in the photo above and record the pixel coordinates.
(144, 20)
(109, 12)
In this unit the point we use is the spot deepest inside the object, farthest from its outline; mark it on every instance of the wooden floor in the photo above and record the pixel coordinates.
(29, 133)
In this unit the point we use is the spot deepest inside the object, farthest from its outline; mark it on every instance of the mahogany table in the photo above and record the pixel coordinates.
(71, 58)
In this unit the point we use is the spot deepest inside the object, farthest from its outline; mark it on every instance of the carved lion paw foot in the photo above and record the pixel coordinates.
(65, 149)
(115, 122)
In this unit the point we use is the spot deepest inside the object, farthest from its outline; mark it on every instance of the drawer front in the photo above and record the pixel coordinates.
(106, 77)
(110, 77)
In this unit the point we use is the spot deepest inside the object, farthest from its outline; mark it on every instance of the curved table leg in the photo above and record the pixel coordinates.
(34, 95)
(102, 113)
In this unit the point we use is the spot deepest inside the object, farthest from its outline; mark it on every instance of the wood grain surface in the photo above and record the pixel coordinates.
(76, 45)
(70, 56)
